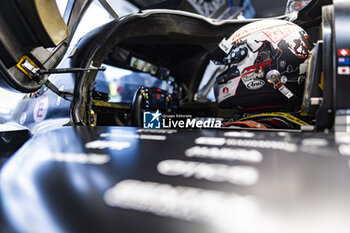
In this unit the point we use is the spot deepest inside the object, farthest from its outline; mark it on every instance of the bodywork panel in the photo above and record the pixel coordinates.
(126, 179)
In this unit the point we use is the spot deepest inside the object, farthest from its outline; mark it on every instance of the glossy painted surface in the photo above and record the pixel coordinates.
(113, 179)
(11, 141)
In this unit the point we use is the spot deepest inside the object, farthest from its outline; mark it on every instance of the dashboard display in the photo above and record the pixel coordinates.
(143, 66)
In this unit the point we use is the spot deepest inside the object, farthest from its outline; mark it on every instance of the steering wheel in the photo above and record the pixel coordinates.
(149, 99)
(138, 108)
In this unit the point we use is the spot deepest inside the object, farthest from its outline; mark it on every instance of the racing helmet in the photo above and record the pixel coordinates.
(263, 61)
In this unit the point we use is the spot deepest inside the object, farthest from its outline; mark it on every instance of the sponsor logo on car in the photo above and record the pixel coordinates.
(343, 70)
(40, 109)
(343, 52)
(343, 61)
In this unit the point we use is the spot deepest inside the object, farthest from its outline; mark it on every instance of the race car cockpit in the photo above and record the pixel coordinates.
(276, 81)
(170, 121)
(270, 73)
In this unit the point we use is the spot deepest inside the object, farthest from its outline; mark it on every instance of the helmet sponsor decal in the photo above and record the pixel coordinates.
(254, 80)
(253, 68)
(252, 76)
(256, 84)
(279, 33)
(228, 89)
(256, 27)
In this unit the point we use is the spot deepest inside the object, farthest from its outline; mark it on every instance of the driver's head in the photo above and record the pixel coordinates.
(255, 54)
